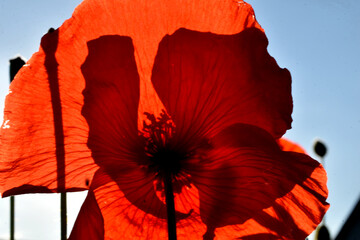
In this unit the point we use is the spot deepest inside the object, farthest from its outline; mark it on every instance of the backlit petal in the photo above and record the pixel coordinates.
(111, 99)
(131, 209)
(246, 189)
(209, 81)
(89, 223)
(43, 147)
(289, 146)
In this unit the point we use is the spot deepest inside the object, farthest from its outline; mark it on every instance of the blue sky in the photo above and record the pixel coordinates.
(318, 41)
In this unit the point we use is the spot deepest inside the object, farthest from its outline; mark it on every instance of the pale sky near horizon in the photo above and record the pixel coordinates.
(317, 41)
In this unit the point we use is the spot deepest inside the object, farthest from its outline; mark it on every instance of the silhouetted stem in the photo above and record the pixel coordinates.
(12, 218)
(169, 197)
(63, 216)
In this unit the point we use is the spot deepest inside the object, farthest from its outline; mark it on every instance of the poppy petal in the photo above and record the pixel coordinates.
(89, 222)
(258, 190)
(41, 111)
(111, 97)
(289, 146)
(130, 207)
(111, 100)
(209, 81)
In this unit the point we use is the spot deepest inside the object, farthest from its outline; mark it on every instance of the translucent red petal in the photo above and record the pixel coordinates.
(209, 81)
(246, 189)
(289, 146)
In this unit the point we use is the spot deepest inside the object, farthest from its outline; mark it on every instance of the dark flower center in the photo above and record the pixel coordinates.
(164, 157)
(167, 160)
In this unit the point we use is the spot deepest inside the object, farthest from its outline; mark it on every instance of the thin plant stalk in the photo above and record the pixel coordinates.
(12, 218)
(63, 216)
(170, 205)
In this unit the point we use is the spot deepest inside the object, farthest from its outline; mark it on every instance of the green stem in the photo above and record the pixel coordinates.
(170, 206)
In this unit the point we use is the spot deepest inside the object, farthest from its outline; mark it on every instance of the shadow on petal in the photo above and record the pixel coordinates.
(111, 99)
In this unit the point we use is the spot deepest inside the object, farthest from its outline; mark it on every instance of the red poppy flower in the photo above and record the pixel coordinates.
(125, 94)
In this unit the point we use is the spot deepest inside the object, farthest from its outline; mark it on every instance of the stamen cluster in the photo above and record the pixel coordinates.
(164, 158)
